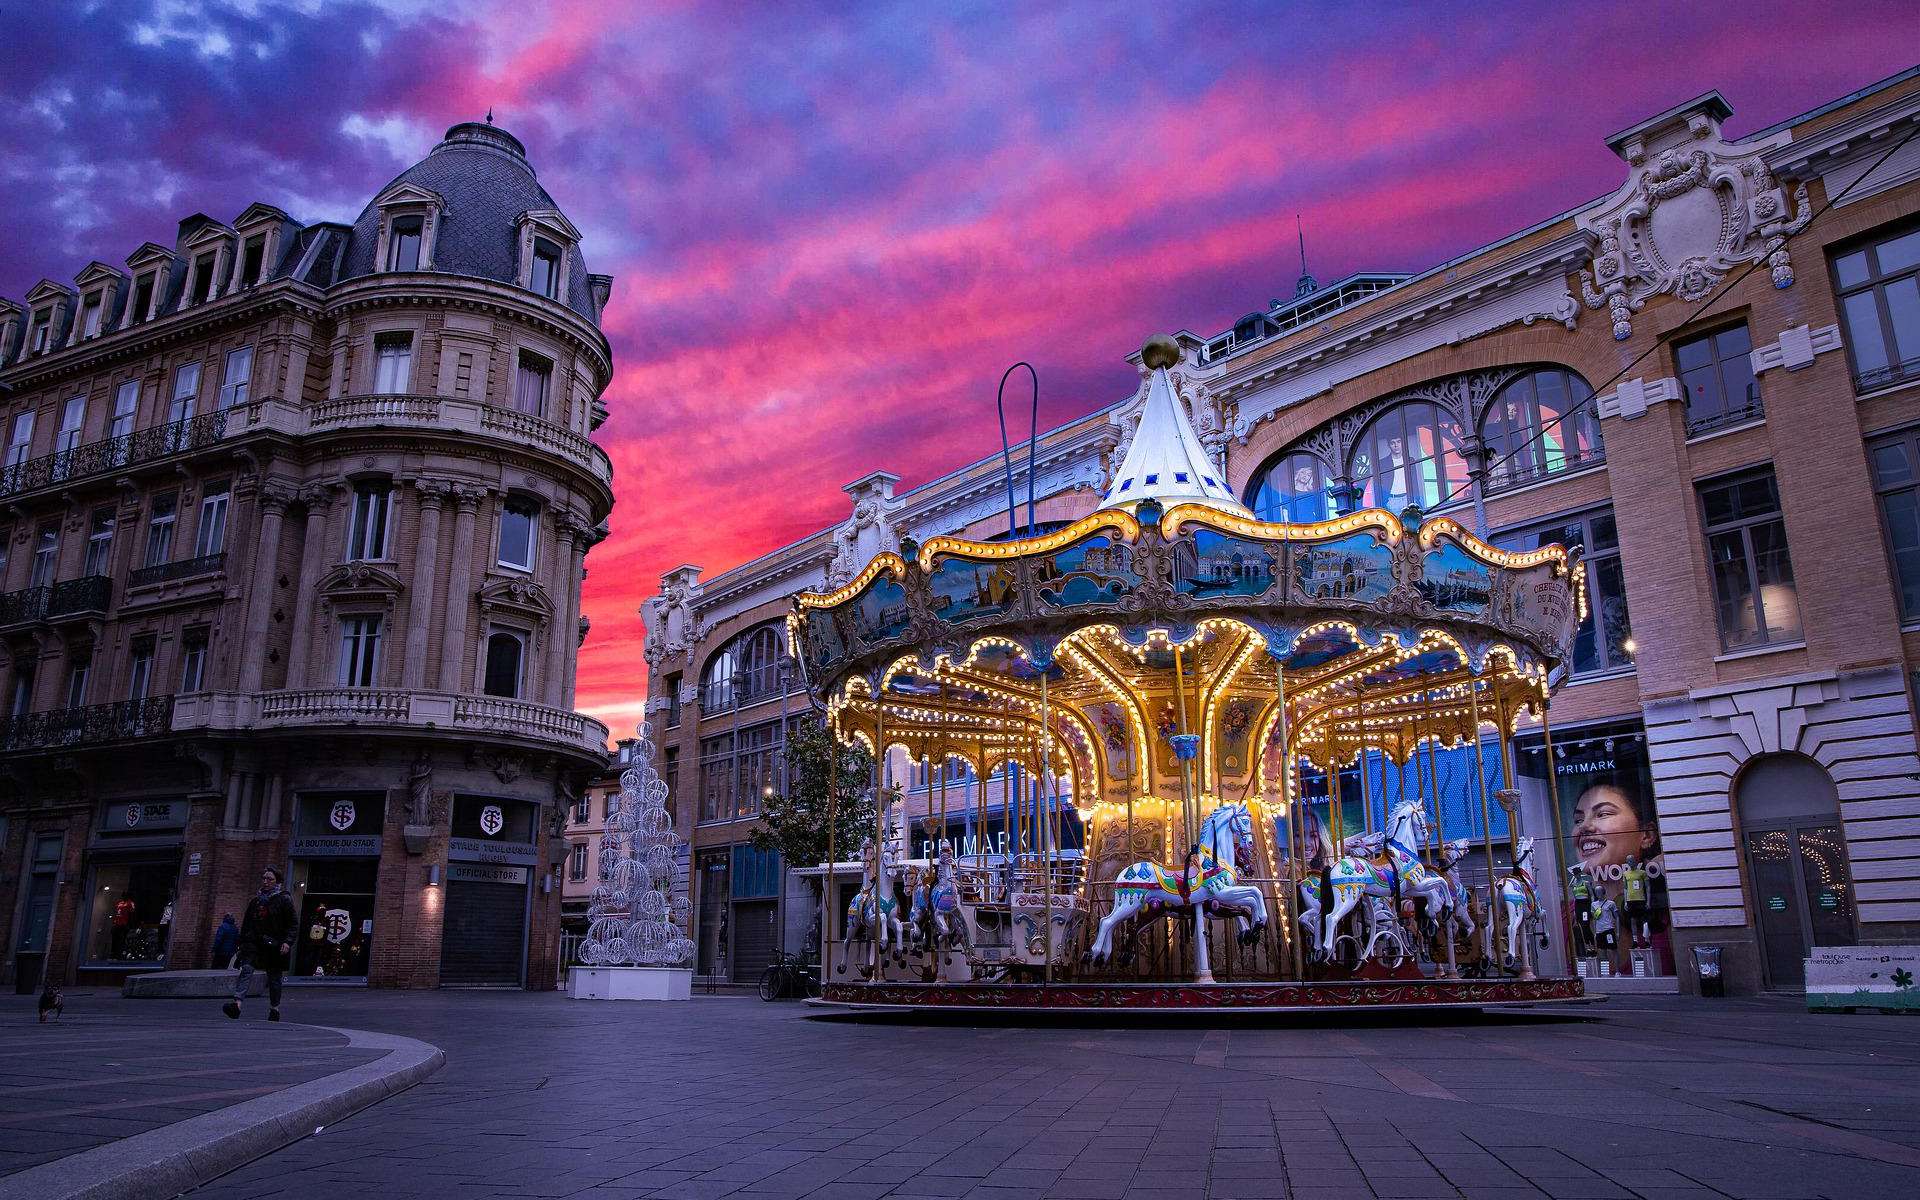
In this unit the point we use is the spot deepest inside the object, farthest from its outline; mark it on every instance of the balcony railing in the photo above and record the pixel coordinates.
(1505, 476)
(24, 606)
(74, 597)
(88, 726)
(186, 568)
(460, 415)
(113, 454)
(400, 710)
(1887, 376)
(1751, 410)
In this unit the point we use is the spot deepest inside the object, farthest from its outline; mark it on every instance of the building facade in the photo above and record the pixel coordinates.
(291, 558)
(1709, 380)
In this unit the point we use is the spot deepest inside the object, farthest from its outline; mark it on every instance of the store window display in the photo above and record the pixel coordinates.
(131, 915)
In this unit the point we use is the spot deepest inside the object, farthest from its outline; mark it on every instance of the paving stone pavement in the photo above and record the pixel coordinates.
(108, 1071)
(1658, 1098)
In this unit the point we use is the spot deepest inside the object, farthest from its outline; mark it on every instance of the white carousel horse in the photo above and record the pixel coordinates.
(1364, 844)
(1208, 881)
(1521, 900)
(1353, 878)
(936, 919)
(1456, 913)
(873, 915)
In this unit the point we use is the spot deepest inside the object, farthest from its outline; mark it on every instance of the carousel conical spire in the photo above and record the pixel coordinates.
(1166, 461)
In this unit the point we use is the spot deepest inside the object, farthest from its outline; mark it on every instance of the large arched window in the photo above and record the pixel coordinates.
(746, 669)
(1539, 425)
(1410, 454)
(1294, 487)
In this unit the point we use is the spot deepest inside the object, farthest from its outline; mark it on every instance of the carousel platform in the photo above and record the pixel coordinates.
(1322, 996)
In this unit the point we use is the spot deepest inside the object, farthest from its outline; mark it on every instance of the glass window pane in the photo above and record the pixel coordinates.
(1900, 512)
(1898, 254)
(1851, 269)
(1602, 533)
(1718, 502)
(1732, 342)
(1692, 355)
(1742, 390)
(1609, 600)
(1890, 464)
(1903, 313)
(1733, 589)
(1779, 602)
(1862, 313)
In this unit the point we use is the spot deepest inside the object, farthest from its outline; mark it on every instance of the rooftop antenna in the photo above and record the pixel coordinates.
(1306, 283)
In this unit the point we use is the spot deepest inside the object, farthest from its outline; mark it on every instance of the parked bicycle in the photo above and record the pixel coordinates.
(787, 977)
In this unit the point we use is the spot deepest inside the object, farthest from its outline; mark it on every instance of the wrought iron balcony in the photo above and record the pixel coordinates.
(90, 725)
(23, 607)
(186, 568)
(79, 597)
(113, 454)
(1887, 376)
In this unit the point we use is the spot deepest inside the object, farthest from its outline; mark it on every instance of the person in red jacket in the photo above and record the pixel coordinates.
(266, 943)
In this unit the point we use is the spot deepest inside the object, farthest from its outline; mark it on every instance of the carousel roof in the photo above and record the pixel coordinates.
(1166, 461)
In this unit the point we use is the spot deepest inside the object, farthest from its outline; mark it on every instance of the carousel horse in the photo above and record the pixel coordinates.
(936, 918)
(1209, 880)
(1521, 900)
(874, 912)
(1456, 916)
(1366, 844)
(1399, 873)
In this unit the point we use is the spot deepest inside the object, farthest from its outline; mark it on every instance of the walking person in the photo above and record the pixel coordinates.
(266, 943)
(226, 941)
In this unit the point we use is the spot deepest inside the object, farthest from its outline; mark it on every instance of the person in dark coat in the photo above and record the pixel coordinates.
(266, 943)
(226, 940)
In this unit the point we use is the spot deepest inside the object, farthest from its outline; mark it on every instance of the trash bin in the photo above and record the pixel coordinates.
(1706, 964)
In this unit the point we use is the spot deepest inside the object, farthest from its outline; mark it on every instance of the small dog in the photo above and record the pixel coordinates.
(52, 1000)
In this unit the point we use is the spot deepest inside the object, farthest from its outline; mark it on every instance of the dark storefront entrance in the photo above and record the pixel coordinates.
(132, 878)
(1796, 862)
(483, 942)
(336, 863)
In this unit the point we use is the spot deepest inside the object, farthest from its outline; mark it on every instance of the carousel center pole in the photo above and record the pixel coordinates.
(1508, 795)
(830, 876)
(1553, 806)
(1187, 817)
(880, 886)
(1433, 774)
(1360, 738)
(1046, 860)
(1295, 876)
(1492, 932)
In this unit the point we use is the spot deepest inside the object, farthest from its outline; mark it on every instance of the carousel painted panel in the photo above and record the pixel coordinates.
(962, 590)
(1096, 572)
(1117, 751)
(1457, 582)
(1209, 564)
(1356, 568)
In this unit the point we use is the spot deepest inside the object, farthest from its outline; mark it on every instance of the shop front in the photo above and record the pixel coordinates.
(133, 877)
(336, 861)
(490, 862)
(1608, 862)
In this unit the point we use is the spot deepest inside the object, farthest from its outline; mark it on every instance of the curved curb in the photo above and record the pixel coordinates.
(173, 1158)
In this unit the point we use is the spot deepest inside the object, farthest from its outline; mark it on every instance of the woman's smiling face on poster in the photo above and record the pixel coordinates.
(1606, 829)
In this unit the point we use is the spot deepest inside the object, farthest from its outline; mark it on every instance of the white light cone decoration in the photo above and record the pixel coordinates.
(636, 917)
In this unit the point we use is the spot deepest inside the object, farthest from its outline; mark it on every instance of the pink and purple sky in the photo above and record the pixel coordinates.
(831, 227)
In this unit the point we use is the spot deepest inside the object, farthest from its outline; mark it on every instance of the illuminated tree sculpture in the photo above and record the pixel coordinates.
(637, 917)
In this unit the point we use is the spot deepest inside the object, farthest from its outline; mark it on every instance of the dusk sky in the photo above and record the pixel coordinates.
(831, 227)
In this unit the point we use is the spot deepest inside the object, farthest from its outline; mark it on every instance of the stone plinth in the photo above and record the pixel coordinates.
(630, 983)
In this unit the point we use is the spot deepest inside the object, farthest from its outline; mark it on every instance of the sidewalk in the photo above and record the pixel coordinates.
(126, 1098)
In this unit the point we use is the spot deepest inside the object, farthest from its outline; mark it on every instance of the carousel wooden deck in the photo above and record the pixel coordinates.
(1319, 996)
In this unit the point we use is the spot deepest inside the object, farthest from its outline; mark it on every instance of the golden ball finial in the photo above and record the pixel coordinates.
(1160, 350)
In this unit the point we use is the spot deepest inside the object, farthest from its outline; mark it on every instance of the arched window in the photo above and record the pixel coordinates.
(745, 670)
(1541, 424)
(1410, 454)
(1294, 487)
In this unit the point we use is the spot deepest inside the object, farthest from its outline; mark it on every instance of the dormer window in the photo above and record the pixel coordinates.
(403, 243)
(202, 279)
(142, 299)
(545, 277)
(42, 331)
(90, 314)
(253, 259)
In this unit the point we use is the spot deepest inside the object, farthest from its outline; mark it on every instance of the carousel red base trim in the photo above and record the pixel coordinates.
(1188, 997)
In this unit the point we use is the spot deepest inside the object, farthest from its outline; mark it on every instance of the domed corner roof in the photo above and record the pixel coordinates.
(481, 173)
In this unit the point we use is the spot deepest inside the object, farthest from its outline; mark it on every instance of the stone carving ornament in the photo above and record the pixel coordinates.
(1693, 209)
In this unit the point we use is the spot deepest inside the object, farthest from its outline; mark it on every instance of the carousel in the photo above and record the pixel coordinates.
(1160, 704)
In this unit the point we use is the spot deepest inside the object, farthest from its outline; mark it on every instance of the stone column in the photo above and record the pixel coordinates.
(566, 593)
(318, 497)
(274, 497)
(433, 495)
(459, 597)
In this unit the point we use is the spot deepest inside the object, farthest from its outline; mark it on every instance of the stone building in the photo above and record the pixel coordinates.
(1708, 379)
(291, 555)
